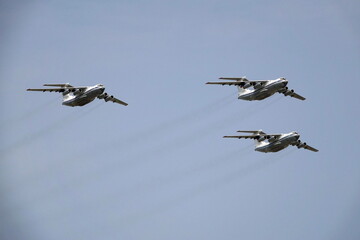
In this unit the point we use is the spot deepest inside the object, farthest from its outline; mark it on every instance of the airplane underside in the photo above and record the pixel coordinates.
(83, 99)
(256, 96)
(275, 148)
(78, 102)
(279, 145)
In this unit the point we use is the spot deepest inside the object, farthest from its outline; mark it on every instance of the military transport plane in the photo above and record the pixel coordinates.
(261, 89)
(274, 142)
(79, 96)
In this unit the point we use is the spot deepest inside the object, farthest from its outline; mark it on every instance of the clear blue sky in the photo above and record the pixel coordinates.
(159, 168)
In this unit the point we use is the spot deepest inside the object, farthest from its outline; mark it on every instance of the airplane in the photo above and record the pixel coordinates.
(274, 142)
(79, 96)
(261, 89)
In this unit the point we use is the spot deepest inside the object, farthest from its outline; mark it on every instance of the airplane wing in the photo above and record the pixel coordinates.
(61, 89)
(291, 93)
(295, 95)
(257, 136)
(240, 83)
(228, 83)
(243, 136)
(46, 89)
(305, 146)
(111, 98)
(115, 100)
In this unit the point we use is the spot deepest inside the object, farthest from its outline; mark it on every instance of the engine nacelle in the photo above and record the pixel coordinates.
(271, 138)
(288, 92)
(76, 91)
(247, 85)
(261, 138)
(301, 145)
(66, 91)
(108, 98)
(257, 85)
(101, 96)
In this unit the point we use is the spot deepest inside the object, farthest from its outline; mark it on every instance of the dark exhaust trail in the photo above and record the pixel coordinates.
(189, 138)
(165, 126)
(13, 122)
(144, 135)
(239, 174)
(215, 162)
(137, 158)
(192, 115)
(65, 121)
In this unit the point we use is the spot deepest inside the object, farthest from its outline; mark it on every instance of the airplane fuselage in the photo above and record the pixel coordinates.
(279, 144)
(264, 91)
(73, 99)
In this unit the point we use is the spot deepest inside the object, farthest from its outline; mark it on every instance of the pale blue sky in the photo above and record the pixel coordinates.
(159, 168)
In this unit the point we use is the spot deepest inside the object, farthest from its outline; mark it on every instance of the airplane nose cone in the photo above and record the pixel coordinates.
(285, 82)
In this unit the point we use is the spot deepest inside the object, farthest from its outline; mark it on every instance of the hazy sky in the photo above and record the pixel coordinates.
(159, 168)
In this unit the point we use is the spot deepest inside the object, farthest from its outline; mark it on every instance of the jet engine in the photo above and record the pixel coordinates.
(108, 98)
(76, 91)
(247, 85)
(288, 92)
(257, 85)
(300, 145)
(271, 138)
(261, 138)
(102, 96)
(66, 91)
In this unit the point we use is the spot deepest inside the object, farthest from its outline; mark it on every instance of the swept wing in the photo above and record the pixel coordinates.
(241, 83)
(256, 136)
(291, 93)
(111, 98)
(295, 95)
(60, 89)
(299, 144)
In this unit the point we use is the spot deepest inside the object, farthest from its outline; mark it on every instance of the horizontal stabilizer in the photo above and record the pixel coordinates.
(58, 85)
(235, 79)
(250, 131)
